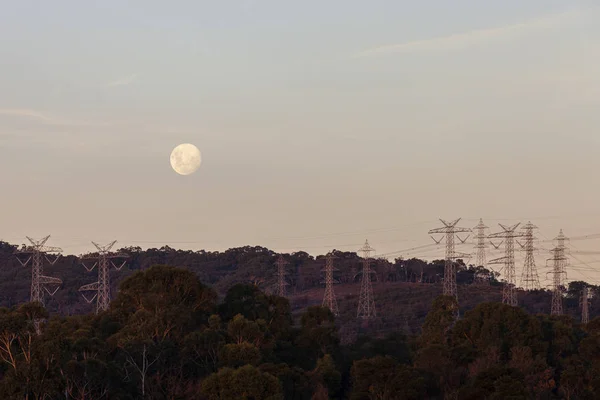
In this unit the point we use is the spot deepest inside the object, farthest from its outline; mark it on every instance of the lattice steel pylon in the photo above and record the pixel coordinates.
(559, 273)
(529, 277)
(480, 252)
(481, 244)
(329, 299)
(450, 230)
(585, 303)
(366, 302)
(103, 260)
(509, 293)
(37, 252)
(281, 282)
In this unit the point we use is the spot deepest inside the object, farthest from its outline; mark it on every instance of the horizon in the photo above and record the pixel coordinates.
(317, 130)
(580, 267)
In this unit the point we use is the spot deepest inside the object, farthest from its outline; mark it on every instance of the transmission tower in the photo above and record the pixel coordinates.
(559, 273)
(366, 302)
(329, 299)
(36, 254)
(103, 260)
(509, 293)
(529, 276)
(450, 230)
(281, 283)
(480, 260)
(585, 303)
(480, 247)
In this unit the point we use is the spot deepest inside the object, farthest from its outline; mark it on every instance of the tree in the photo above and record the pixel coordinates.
(164, 302)
(294, 380)
(383, 378)
(158, 308)
(243, 383)
(31, 369)
(439, 320)
(242, 330)
(238, 354)
(326, 375)
(318, 335)
(496, 383)
(202, 348)
(247, 300)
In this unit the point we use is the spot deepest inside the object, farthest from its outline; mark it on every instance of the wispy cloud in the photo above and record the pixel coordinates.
(16, 112)
(124, 81)
(45, 118)
(466, 39)
(35, 115)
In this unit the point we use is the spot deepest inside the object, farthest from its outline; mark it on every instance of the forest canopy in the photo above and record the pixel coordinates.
(168, 336)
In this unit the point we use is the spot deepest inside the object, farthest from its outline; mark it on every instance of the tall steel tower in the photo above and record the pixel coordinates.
(450, 230)
(103, 260)
(481, 244)
(480, 252)
(529, 276)
(509, 293)
(281, 283)
(37, 253)
(585, 303)
(559, 273)
(329, 299)
(366, 302)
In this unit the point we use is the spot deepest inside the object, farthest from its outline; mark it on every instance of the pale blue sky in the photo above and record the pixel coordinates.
(314, 118)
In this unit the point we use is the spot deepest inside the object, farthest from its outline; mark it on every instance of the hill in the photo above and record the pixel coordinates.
(402, 302)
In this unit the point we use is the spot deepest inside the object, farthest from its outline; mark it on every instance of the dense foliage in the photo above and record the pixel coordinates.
(167, 336)
(213, 329)
(404, 289)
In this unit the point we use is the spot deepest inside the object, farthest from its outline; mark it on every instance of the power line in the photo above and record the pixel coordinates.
(426, 246)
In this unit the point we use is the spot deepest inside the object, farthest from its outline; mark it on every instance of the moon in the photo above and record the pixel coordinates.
(185, 159)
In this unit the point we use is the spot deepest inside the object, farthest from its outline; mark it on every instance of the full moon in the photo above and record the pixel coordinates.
(185, 159)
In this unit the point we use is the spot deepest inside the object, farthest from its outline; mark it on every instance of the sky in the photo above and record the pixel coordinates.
(321, 124)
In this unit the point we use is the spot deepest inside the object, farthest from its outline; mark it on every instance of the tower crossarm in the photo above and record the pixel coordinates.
(89, 287)
(50, 280)
(458, 254)
(453, 229)
(38, 243)
(106, 248)
(505, 235)
(50, 249)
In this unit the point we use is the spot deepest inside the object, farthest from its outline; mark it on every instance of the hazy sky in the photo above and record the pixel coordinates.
(321, 123)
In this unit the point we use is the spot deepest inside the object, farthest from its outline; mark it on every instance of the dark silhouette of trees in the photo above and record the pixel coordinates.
(169, 334)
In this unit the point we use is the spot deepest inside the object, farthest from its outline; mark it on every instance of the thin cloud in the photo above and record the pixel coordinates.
(16, 112)
(124, 81)
(46, 119)
(467, 39)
